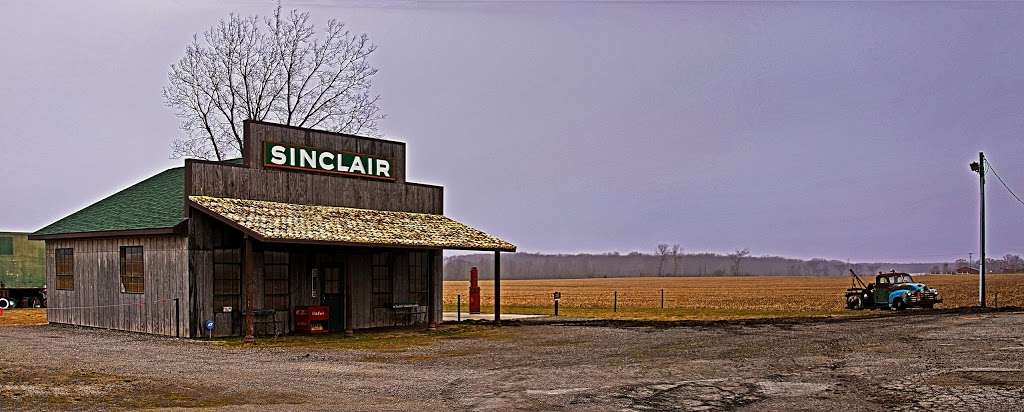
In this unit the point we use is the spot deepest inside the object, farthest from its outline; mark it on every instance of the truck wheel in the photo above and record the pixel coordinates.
(854, 302)
(6, 304)
(898, 305)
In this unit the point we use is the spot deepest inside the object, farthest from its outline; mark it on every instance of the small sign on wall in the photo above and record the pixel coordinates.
(227, 309)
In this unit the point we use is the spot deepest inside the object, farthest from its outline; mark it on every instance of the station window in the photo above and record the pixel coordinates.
(332, 281)
(6, 246)
(133, 279)
(227, 278)
(382, 286)
(64, 260)
(419, 267)
(275, 280)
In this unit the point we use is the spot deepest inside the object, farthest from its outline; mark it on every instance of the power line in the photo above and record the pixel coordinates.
(1003, 182)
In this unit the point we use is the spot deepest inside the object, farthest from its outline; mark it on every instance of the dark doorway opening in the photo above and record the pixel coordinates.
(333, 296)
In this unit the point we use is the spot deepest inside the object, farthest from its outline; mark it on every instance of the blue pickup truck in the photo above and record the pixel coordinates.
(896, 291)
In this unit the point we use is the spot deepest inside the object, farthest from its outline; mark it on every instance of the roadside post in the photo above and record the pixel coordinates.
(458, 308)
(663, 298)
(979, 168)
(615, 301)
(557, 296)
(209, 329)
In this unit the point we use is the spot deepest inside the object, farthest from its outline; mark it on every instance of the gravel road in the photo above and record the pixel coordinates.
(926, 362)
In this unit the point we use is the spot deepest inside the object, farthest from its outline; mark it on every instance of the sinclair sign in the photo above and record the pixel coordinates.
(284, 156)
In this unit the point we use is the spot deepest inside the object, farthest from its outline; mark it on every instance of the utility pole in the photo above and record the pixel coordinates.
(979, 167)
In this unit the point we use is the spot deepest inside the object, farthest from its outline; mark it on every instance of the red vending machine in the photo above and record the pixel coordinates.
(312, 319)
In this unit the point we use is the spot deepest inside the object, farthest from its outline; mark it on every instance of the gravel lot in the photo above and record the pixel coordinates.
(926, 361)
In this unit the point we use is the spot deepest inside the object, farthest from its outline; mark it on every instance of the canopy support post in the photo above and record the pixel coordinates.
(250, 289)
(431, 301)
(497, 287)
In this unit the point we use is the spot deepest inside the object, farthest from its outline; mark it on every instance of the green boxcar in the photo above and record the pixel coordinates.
(22, 261)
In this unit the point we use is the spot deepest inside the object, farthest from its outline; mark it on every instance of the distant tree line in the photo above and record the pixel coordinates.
(670, 261)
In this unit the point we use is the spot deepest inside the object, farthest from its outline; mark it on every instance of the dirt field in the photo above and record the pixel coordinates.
(965, 361)
(714, 297)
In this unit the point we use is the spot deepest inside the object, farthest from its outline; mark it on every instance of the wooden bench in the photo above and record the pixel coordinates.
(406, 312)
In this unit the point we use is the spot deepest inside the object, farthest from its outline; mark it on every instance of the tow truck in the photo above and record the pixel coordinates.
(894, 291)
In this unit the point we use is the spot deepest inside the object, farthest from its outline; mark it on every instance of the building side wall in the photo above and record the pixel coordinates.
(97, 300)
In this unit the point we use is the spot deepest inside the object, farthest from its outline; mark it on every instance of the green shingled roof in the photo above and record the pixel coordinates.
(154, 203)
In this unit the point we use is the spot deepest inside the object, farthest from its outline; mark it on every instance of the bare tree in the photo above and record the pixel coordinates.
(737, 259)
(662, 252)
(277, 69)
(1013, 263)
(675, 259)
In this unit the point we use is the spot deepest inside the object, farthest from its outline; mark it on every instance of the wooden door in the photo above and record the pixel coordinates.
(333, 296)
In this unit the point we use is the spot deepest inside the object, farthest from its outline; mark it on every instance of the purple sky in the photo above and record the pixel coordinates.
(807, 130)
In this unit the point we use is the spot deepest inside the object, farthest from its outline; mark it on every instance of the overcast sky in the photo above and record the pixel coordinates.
(807, 130)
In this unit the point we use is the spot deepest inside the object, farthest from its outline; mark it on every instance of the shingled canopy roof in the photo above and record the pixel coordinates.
(287, 222)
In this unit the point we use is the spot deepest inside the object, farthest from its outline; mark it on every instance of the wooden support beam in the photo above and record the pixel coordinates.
(249, 270)
(497, 287)
(431, 302)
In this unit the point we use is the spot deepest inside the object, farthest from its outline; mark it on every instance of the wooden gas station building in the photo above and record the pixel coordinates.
(305, 218)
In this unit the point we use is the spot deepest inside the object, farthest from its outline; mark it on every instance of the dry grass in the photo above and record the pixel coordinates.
(380, 340)
(15, 317)
(713, 297)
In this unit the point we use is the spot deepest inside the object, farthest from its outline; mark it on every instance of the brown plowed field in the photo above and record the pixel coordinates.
(713, 297)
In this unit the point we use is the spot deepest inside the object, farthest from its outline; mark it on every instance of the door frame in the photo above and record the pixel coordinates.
(336, 323)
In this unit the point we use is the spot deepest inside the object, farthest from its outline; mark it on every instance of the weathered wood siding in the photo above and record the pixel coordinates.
(251, 180)
(221, 180)
(97, 300)
(205, 236)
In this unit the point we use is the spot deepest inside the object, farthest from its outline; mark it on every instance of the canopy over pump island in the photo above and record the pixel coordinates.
(309, 231)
